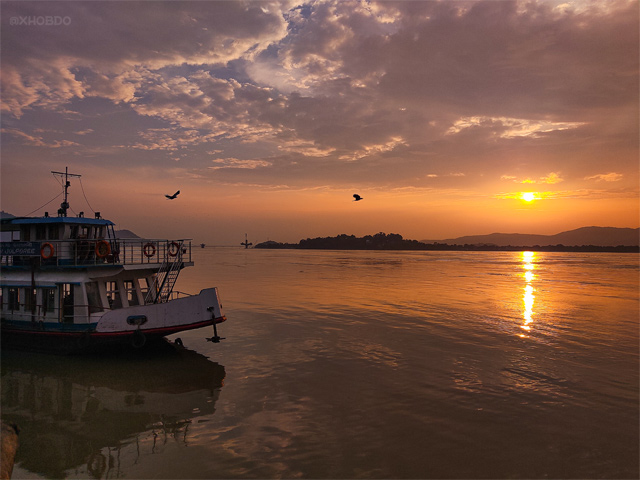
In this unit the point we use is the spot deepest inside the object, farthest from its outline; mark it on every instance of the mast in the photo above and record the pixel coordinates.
(246, 242)
(64, 206)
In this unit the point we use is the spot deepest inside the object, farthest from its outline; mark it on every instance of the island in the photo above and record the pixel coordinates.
(394, 241)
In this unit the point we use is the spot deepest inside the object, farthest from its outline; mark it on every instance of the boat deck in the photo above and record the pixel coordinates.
(145, 253)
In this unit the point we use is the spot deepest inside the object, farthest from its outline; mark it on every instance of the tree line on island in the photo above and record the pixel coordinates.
(394, 241)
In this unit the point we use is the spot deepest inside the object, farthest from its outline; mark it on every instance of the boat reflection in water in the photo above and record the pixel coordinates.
(77, 415)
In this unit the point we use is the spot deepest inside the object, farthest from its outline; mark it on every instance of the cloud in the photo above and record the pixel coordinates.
(170, 139)
(117, 88)
(38, 85)
(551, 178)
(413, 88)
(37, 141)
(304, 148)
(511, 127)
(606, 177)
(118, 43)
(221, 163)
(373, 149)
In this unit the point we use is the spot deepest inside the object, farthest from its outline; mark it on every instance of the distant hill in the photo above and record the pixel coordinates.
(597, 236)
(125, 234)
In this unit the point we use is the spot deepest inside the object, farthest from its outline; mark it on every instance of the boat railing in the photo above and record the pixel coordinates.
(175, 295)
(101, 252)
(147, 251)
(38, 312)
(41, 313)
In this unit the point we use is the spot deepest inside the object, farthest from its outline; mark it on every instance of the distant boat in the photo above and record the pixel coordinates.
(78, 287)
(202, 245)
(246, 242)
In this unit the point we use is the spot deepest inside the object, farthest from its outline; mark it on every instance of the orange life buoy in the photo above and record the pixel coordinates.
(173, 249)
(149, 249)
(103, 248)
(43, 251)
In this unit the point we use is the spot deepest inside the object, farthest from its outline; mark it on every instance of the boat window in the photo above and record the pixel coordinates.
(132, 295)
(41, 232)
(29, 299)
(143, 283)
(48, 300)
(74, 232)
(113, 295)
(54, 232)
(67, 303)
(93, 297)
(25, 234)
(13, 299)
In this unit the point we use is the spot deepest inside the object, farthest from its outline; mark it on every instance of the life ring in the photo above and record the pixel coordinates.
(149, 249)
(173, 249)
(138, 339)
(43, 251)
(103, 248)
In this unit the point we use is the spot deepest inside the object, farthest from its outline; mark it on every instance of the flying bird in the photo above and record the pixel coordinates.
(172, 197)
(357, 197)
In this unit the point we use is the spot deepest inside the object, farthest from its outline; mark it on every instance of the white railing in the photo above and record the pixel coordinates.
(74, 253)
(144, 251)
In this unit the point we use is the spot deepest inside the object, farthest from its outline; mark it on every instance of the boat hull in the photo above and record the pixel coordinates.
(133, 327)
(88, 341)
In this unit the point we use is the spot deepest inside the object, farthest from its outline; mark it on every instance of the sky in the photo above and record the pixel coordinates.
(449, 118)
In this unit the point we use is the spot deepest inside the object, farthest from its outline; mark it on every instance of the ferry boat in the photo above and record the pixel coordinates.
(69, 284)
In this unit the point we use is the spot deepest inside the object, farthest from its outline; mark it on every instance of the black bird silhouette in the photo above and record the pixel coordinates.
(171, 197)
(357, 197)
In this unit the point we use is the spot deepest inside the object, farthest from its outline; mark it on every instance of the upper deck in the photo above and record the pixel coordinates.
(144, 253)
(72, 242)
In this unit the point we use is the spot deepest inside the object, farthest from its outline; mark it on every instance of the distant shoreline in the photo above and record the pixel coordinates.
(469, 248)
(392, 241)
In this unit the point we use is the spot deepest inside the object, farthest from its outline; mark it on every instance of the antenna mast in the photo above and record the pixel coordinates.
(246, 242)
(64, 206)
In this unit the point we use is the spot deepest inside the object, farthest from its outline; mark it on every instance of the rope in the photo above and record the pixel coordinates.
(85, 196)
(44, 204)
(61, 193)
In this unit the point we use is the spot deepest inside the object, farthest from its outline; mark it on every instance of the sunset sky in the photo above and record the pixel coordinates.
(449, 118)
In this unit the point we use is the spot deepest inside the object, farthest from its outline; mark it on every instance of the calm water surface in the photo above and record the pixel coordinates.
(358, 365)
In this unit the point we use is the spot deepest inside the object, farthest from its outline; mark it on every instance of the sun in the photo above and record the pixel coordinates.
(528, 196)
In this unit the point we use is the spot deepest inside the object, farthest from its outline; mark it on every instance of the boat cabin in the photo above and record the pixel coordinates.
(73, 269)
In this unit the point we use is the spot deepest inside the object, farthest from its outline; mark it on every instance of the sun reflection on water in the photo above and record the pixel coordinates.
(528, 297)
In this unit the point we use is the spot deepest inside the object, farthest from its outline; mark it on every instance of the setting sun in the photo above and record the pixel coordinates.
(528, 196)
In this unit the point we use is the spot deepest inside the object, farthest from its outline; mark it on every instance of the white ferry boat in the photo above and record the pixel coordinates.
(69, 284)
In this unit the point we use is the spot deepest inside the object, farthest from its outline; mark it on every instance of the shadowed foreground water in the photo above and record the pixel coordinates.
(358, 365)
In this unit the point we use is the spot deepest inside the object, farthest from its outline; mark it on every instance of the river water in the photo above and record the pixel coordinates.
(354, 364)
